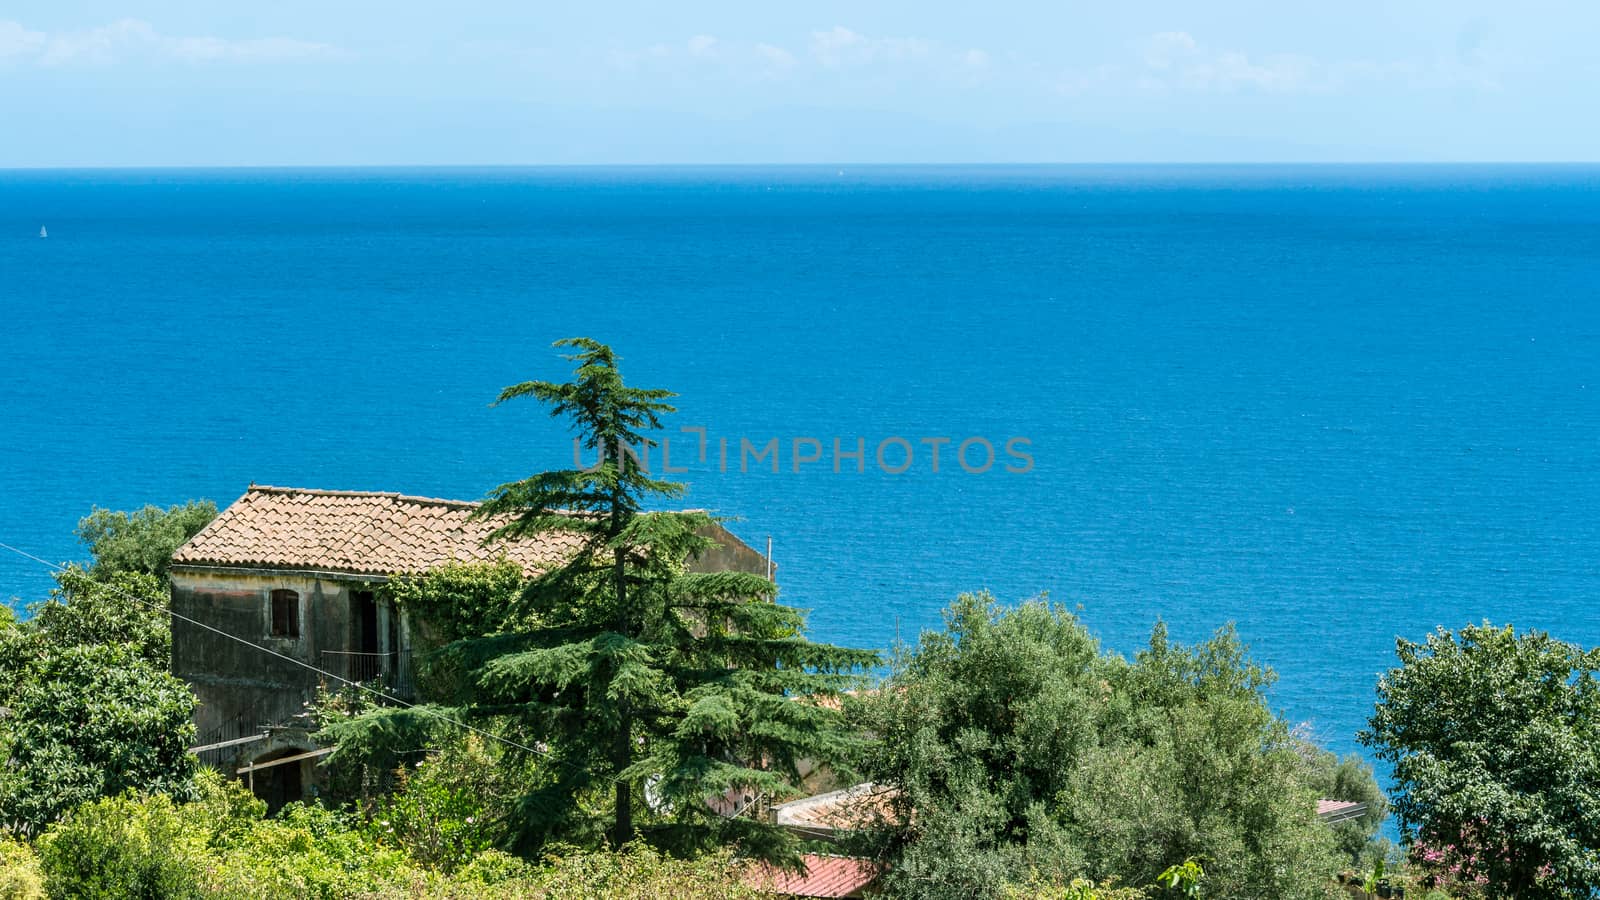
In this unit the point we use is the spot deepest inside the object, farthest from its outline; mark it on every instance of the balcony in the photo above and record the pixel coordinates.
(388, 672)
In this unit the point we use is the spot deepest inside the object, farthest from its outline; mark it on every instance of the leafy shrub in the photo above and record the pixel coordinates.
(492, 868)
(640, 873)
(20, 875)
(447, 809)
(90, 708)
(91, 721)
(122, 847)
(1076, 889)
(223, 809)
(218, 847)
(306, 852)
(87, 609)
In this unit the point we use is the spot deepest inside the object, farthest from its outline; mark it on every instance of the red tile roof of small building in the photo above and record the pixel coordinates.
(1339, 810)
(358, 532)
(825, 877)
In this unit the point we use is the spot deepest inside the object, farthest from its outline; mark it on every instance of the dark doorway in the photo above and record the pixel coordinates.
(281, 784)
(365, 620)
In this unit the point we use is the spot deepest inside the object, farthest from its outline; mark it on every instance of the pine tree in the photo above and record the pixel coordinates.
(642, 675)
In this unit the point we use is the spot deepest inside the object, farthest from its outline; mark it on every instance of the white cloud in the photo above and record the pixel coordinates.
(253, 50)
(702, 45)
(702, 48)
(1177, 62)
(18, 41)
(1162, 48)
(839, 47)
(836, 49)
(1165, 63)
(1175, 59)
(831, 46)
(777, 57)
(134, 39)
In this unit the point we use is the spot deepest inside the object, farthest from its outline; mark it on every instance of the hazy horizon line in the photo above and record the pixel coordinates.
(814, 165)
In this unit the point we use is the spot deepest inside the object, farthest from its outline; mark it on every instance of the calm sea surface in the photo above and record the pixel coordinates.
(1331, 405)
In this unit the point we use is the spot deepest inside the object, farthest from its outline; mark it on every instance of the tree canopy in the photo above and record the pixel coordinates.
(1494, 738)
(143, 540)
(90, 707)
(1022, 752)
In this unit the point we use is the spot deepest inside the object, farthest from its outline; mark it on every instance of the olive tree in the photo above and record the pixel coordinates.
(1021, 751)
(143, 540)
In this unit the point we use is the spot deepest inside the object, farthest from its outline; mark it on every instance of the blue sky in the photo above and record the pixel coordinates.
(341, 82)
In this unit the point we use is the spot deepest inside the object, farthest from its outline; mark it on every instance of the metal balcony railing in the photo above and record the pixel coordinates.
(222, 743)
(218, 745)
(390, 671)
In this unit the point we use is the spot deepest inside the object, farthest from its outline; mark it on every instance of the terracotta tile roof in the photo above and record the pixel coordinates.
(357, 532)
(835, 702)
(826, 876)
(864, 806)
(1335, 811)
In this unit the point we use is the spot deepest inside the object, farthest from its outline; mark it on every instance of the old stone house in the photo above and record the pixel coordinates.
(286, 585)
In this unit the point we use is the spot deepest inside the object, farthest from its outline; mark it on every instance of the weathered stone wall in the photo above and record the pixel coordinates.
(732, 556)
(231, 679)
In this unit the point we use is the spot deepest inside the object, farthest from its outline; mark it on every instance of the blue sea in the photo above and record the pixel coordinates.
(1331, 405)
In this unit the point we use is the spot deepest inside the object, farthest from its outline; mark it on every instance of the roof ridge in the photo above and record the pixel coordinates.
(387, 495)
(365, 532)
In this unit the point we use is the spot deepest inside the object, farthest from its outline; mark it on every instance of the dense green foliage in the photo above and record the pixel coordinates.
(90, 709)
(626, 667)
(461, 600)
(21, 877)
(121, 847)
(1024, 753)
(449, 807)
(144, 540)
(1495, 742)
(114, 608)
(1076, 889)
(221, 848)
(1350, 778)
(87, 707)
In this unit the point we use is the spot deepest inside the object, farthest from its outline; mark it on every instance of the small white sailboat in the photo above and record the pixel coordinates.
(42, 232)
